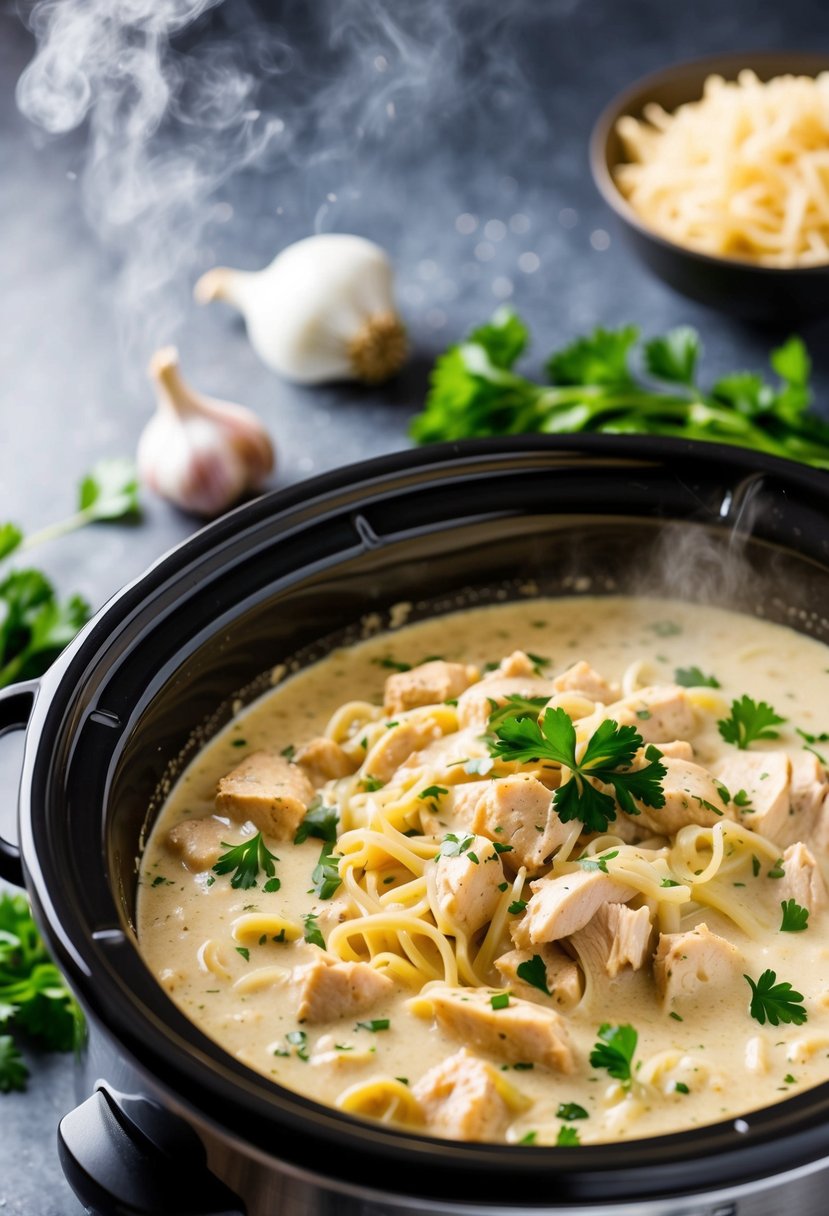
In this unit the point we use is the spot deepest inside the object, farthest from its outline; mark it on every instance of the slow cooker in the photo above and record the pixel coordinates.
(167, 1122)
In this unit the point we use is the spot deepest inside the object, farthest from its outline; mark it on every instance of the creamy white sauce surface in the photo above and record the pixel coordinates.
(715, 1062)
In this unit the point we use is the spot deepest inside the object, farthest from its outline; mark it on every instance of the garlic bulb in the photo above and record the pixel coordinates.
(323, 310)
(197, 452)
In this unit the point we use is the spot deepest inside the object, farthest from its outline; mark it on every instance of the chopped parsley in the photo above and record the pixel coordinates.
(570, 1111)
(567, 1136)
(749, 720)
(313, 933)
(288, 752)
(245, 953)
(607, 757)
(775, 1002)
(615, 1051)
(453, 845)
(742, 800)
(374, 1025)
(692, 677)
(245, 860)
(795, 918)
(528, 1138)
(500, 1000)
(533, 971)
(371, 784)
(433, 791)
(325, 875)
(299, 1040)
(777, 870)
(598, 863)
(517, 907)
(392, 664)
(666, 629)
(681, 1088)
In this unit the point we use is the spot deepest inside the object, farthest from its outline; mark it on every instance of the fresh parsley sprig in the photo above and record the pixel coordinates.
(693, 677)
(606, 758)
(476, 391)
(748, 721)
(795, 918)
(245, 860)
(615, 1051)
(515, 706)
(33, 995)
(775, 1002)
(320, 821)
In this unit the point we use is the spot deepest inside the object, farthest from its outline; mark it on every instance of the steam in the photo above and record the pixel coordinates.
(180, 97)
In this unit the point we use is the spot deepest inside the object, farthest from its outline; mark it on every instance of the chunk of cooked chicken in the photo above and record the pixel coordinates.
(267, 790)
(467, 885)
(582, 678)
(685, 963)
(518, 663)
(518, 1031)
(808, 787)
(677, 749)
(661, 712)
(517, 811)
(802, 880)
(323, 759)
(616, 937)
(691, 796)
(560, 906)
(427, 685)
(398, 744)
(761, 782)
(198, 842)
(563, 976)
(476, 704)
(461, 1099)
(329, 989)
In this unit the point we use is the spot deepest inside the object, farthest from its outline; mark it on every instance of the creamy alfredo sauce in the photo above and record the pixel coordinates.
(699, 1060)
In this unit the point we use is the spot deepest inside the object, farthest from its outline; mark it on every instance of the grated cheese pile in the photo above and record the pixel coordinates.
(741, 173)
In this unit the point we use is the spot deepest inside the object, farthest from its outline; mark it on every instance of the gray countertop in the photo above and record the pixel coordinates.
(456, 189)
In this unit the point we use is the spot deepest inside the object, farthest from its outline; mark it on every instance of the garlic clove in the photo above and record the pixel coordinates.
(323, 310)
(198, 452)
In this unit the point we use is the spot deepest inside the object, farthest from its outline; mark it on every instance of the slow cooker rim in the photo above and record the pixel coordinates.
(48, 720)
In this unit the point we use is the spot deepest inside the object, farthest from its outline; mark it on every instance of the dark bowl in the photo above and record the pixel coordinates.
(765, 294)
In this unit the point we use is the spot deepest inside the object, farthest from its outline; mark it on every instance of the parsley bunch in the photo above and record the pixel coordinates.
(606, 759)
(244, 861)
(35, 625)
(33, 995)
(475, 392)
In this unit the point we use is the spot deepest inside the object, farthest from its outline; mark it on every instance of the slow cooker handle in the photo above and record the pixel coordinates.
(15, 707)
(117, 1170)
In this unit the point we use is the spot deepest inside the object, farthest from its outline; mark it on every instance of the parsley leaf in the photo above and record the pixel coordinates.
(692, 677)
(533, 971)
(795, 918)
(608, 750)
(374, 1025)
(504, 339)
(674, 357)
(570, 1111)
(749, 720)
(601, 358)
(13, 1072)
(10, 538)
(515, 706)
(615, 1051)
(453, 845)
(245, 860)
(321, 821)
(433, 791)
(775, 1003)
(313, 933)
(596, 864)
(33, 995)
(567, 1136)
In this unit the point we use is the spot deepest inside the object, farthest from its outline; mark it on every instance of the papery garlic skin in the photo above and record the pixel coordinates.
(198, 452)
(323, 310)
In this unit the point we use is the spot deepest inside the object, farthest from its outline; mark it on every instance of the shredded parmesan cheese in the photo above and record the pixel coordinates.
(741, 173)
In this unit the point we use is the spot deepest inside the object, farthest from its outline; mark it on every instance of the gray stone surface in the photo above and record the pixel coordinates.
(71, 391)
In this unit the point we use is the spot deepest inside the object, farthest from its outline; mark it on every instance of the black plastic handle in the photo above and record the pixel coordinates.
(117, 1168)
(15, 707)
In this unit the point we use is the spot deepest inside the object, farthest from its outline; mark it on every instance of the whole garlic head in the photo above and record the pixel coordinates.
(197, 452)
(323, 310)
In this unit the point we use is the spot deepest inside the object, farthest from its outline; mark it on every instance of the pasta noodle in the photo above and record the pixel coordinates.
(742, 173)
